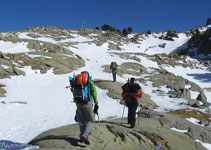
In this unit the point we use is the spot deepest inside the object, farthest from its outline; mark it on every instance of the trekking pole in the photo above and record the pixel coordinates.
(99, 122)
(123, 114)
(109, 74)
(138, 114)
(101, 141)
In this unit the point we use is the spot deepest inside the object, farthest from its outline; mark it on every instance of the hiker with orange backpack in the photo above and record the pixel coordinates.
(113, 68)
(131, 93)
(84, 92)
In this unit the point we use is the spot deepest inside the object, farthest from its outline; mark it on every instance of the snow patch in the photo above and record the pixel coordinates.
(178, 130)
(9, 47)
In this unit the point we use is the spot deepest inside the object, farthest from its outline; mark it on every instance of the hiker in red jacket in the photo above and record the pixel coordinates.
(131, 93)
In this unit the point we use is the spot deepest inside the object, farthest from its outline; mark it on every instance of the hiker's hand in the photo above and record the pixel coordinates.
(122, 102)
(96, 107)
(67, 87)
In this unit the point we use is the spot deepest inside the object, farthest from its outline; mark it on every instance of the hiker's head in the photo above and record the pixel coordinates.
(132, 80)
(85, 72)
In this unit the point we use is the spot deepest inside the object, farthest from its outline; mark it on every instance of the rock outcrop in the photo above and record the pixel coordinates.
(2, 90)
(177, 85)
(198, 44)
(153, 131)
(208, 21)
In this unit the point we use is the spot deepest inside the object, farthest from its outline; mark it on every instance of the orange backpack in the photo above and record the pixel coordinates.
(82, 87)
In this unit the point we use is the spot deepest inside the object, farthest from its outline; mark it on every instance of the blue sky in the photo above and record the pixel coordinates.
(141, 15)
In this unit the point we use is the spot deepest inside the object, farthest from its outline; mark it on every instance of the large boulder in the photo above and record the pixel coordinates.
(113, 46)
(2, 92)
(18, 71)
(201, 97)
(10, 71)
(100, 40)
(186, 94)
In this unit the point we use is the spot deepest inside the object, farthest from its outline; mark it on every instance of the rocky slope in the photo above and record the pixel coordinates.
(51, 48)
(199, 44)
(154, 130)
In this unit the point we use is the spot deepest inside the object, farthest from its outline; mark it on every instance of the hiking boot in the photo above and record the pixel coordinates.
(132, 126)
(85, 140)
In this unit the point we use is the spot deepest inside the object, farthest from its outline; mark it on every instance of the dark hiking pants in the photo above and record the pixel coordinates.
(114, 74)
(132, 107)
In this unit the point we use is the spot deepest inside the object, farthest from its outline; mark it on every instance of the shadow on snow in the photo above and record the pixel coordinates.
(206, 77)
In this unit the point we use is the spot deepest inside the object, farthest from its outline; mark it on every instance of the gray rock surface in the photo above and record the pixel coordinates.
(171, 121)
(177, 85)
(152, 130)
(201, 97)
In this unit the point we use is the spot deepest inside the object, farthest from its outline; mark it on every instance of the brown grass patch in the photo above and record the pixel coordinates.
(187, 113)
(208, 89)
(2, 85)
(157, 140)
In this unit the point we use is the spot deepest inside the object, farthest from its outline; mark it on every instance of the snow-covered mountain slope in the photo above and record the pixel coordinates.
(151, 44)
(48, 104)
